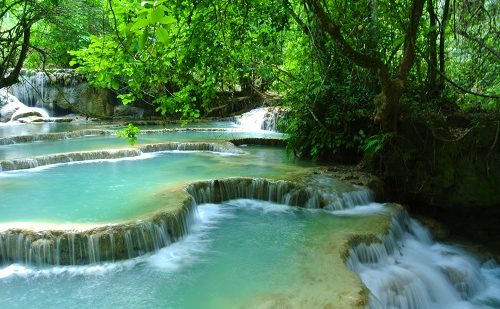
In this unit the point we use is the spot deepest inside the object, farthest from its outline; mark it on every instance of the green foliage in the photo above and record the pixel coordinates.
(129, 133)
(178, 55)
(330, 99)
(374, 145)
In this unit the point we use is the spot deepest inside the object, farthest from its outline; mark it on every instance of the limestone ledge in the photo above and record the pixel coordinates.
(20, 164)
(110, 242)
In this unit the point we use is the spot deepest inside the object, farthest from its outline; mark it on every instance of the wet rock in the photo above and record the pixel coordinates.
(63, 92)
(9, 104)
(126, 111)
(25, 112)
(32, 119)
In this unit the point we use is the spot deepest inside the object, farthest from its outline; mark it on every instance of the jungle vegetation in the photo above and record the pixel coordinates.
(353, 73)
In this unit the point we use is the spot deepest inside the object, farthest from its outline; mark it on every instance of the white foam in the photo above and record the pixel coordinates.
(423, 274)
(372, 208)
(188, 250)
(172, 258)
(264, 206)
(142, 156)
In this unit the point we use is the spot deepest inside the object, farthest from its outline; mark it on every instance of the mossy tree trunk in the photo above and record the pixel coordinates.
(387, 102)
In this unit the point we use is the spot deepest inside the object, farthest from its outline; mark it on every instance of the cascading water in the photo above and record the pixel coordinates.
(252, 120)
(402, 269)
(31, 90)
(406, 269)
(12, 109)
(130, 240)
(259, 119)
(61, 92)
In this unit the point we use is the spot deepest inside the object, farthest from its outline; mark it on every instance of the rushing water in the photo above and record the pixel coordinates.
(409, 270)
(240, 254)
(114, 190)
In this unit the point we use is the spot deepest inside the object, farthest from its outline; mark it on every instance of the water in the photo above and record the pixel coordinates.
(19, 129)
(240, 254)
(409, 270)
(32, 149)
(115, 190)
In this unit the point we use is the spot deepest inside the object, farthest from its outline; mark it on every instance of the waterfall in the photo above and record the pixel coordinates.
(264, 118)
(31, 89)
(21, 164)
(277, 191)
(107, 243)
(407, 269)
(194, 146)
(132, 239)
(42, 89)
(90, 132)
(52, 136)
(12, 109)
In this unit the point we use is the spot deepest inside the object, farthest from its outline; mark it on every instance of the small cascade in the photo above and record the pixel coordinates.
(31, 90)
(197, 146)
(407, 269)
(52, 136)
(129, 240)
(42, 89)
(12, 109)
(252, 120)
(21, 164)
(108, 243)
(171, 130)
(264, 118)
(277, 191)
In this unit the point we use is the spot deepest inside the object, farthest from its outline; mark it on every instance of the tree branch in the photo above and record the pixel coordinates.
(481, 42)
(410, 38)
(14, 74)
(334, 30)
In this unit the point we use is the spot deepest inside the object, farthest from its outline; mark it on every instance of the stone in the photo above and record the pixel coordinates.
(31, 119)
(63, 92)
(25, 112)
(127, 111)
(9, 104)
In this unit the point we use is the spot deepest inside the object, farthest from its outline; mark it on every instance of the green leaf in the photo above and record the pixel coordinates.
(163, 35)
(157, 14)
(142, 40)
(140, 23)
(166, 20)
(115, 85)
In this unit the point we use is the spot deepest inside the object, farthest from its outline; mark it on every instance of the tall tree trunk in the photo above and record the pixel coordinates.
(432, 85)
(387, 102)
(11, 78)
(442, 37)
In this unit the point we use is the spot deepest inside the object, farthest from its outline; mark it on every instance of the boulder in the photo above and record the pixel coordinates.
(25, 112)
(127, 111)
(9, 105)
(32, 119)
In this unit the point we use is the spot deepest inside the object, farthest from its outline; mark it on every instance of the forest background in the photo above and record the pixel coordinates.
(409, 88)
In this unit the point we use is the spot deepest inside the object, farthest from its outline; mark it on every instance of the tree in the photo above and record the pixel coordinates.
(17, 18)
(178, 55)
(387, 102)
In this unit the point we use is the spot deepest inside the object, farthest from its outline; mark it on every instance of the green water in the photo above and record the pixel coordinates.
(111, 191)
(14, 129)
(239, 254)
(87, 143)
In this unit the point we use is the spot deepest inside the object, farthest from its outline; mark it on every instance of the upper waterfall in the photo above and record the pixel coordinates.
(259, 119)
(61, 92)
(12, 109)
